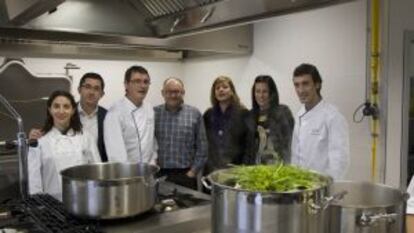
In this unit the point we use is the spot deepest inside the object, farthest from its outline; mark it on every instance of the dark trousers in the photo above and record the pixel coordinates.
(178, 176)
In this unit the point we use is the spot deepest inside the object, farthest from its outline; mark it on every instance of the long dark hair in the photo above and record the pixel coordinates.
(273, 93)
(75, 122)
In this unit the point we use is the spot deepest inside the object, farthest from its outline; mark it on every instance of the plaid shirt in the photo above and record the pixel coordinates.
(181, 138)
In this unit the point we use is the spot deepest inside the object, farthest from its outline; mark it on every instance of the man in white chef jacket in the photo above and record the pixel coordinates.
(320, 137)
(129, 123)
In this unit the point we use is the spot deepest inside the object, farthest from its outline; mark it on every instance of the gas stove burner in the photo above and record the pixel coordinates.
(181, 200)
(168, 205)
(40, 213)
(168, 202)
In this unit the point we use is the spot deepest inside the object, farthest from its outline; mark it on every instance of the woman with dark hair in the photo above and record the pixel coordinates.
(270, 125)
(224, 122)
(63, 145)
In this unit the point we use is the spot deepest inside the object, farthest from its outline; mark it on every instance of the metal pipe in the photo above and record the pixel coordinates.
(21, 148)
(375, 73)
(22, 151)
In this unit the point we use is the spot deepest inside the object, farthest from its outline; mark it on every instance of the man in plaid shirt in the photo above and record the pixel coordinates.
(181, 136)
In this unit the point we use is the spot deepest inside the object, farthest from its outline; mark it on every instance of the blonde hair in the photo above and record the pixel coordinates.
(224, 79)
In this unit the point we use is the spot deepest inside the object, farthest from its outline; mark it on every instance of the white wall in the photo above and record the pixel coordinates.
(332, 38)
(112, 72)
(200, 73)
(400, 19)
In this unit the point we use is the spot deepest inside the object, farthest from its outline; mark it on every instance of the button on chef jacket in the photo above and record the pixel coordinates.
(54, 153)
(321, 140)
(122, 141)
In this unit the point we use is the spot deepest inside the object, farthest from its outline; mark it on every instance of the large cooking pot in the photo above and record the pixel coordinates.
(367, 208)
(241, 211)
(109, 190)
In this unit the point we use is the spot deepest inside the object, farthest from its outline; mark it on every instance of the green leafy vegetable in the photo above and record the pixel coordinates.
(275, 178)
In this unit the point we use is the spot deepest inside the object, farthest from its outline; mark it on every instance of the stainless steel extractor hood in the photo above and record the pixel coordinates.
(130, 28)
(19, 12)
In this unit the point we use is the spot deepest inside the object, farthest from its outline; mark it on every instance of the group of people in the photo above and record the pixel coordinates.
(179, 138)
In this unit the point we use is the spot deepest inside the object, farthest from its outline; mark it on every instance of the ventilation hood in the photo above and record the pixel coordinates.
(170, 29)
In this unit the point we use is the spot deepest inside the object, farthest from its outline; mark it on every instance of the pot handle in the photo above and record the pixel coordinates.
(205, 181)
(317, 208)
(157, 181)
(370, 220)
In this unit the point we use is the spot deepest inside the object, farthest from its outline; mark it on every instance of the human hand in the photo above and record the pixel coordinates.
(191, 173)
(35, 133)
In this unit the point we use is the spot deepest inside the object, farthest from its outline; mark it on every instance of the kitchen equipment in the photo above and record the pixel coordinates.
(41, 213)
(16, 78)
(22, 147)
(367, 208)
(241, 211)
(109, 190)
(188, 211)
(9, 174)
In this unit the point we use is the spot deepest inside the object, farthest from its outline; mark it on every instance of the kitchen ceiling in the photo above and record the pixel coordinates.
(122, 17)
(168, 25)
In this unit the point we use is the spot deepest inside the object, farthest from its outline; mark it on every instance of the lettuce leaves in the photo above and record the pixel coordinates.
(275, 178)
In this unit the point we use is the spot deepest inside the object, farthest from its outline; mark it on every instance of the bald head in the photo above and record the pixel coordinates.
(173, 93)
(174, 81)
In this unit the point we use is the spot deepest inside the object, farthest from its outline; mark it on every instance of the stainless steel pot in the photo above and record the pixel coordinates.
(367, 208)
(241, 211)
(109, 190)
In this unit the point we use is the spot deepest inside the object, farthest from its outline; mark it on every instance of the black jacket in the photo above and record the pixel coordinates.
(101, 144)
(280, 126)
(230, 147)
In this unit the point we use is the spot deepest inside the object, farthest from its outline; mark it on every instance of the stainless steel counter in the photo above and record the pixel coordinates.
(191, 220)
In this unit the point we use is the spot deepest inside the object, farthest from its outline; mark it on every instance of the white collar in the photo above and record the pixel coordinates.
(130, 105)
(83, 113)
(302, 112)
(56, 132)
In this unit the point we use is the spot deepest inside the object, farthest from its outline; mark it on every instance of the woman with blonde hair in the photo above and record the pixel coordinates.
(224, 122)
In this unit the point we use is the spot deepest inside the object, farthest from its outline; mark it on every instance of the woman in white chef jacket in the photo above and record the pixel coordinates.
(63, 145)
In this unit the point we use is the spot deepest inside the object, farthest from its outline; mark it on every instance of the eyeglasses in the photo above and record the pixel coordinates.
(140, 82)
(93, 88)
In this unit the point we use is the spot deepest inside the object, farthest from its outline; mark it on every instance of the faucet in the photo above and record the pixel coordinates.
(22, 148)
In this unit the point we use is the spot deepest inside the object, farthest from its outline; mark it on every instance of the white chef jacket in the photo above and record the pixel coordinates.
(321, 140)
(89, 122)
(54, 153)
(129, 130)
